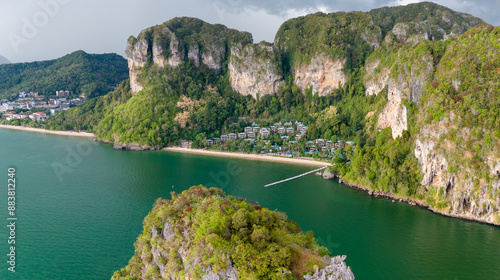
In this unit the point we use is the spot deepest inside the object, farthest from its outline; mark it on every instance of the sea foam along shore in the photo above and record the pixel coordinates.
(56, 132)
(248, 156)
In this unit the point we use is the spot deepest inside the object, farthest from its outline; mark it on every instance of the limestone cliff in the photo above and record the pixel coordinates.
(178, 40)
(254, 69)
(203, 234)
(458, 144)
(323, 74)
(404, 69)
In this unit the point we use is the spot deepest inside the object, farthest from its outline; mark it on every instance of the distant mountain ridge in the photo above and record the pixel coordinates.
(84, 74)
(3, 60)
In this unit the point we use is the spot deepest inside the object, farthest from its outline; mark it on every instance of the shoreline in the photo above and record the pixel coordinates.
(247, 156)
(414, 203)
(54, 132)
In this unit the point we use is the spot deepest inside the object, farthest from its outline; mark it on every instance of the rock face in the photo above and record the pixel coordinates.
(432, 164)
(136, 57)
(405, 73)
(379, 81)
(394, 114)
(323, 74)
(254, 70)
(469, 197)
(178, 40)
(337, 269)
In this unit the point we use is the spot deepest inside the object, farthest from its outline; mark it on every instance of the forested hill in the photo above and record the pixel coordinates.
(81, 73)
(415, 87)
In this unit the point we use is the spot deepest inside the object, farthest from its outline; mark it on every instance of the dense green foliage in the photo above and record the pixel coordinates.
(215, 230)
(84, 74)
(339, 35)
(434, 16)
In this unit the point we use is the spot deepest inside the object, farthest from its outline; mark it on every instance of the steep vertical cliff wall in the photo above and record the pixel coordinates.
(321, 49)
(178, 40)
(323, 74)
(404, 64)
(458, 147)
(255, 69)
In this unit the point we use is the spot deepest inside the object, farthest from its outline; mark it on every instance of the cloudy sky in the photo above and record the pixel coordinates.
(45, 29)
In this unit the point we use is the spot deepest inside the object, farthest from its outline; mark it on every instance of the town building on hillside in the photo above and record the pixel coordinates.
(256, 129)
(248, 129)
(62, 93)
(233, 136)
(242, 135)
(298, 137)
(281, 130)
(251, 135)
(288, 124)
(209, 142)
(289, 130)
(223, 138)
(38, 116)
(265, 133)
(55, 111)
(273, 128)
(255, 124)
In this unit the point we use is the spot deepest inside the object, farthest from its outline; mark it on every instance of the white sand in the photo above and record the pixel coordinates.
(56, 132)
(248, 156)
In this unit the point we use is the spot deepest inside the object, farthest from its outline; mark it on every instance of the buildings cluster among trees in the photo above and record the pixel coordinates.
(32, 105)
(288, 139)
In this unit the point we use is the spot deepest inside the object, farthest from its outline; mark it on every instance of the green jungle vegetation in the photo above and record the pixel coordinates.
(214, 230)
(83, 74)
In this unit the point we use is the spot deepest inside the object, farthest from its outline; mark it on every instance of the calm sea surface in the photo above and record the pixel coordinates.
(80, 207)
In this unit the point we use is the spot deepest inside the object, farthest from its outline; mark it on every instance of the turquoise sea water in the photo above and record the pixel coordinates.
(80, 206)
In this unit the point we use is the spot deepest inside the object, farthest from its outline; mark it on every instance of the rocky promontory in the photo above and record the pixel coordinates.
(204, 234)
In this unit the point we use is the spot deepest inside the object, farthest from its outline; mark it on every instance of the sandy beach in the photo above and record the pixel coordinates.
(56, 132)
(248, 156)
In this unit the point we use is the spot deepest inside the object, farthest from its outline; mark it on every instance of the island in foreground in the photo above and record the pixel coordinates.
(204, 234)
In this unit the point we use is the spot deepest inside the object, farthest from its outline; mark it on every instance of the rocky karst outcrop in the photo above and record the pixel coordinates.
(323, 74)
(394, 114)
(337, 269)
(467, 196)
(203, 234)
(404, 72)
(254, 69)
(181, 39)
